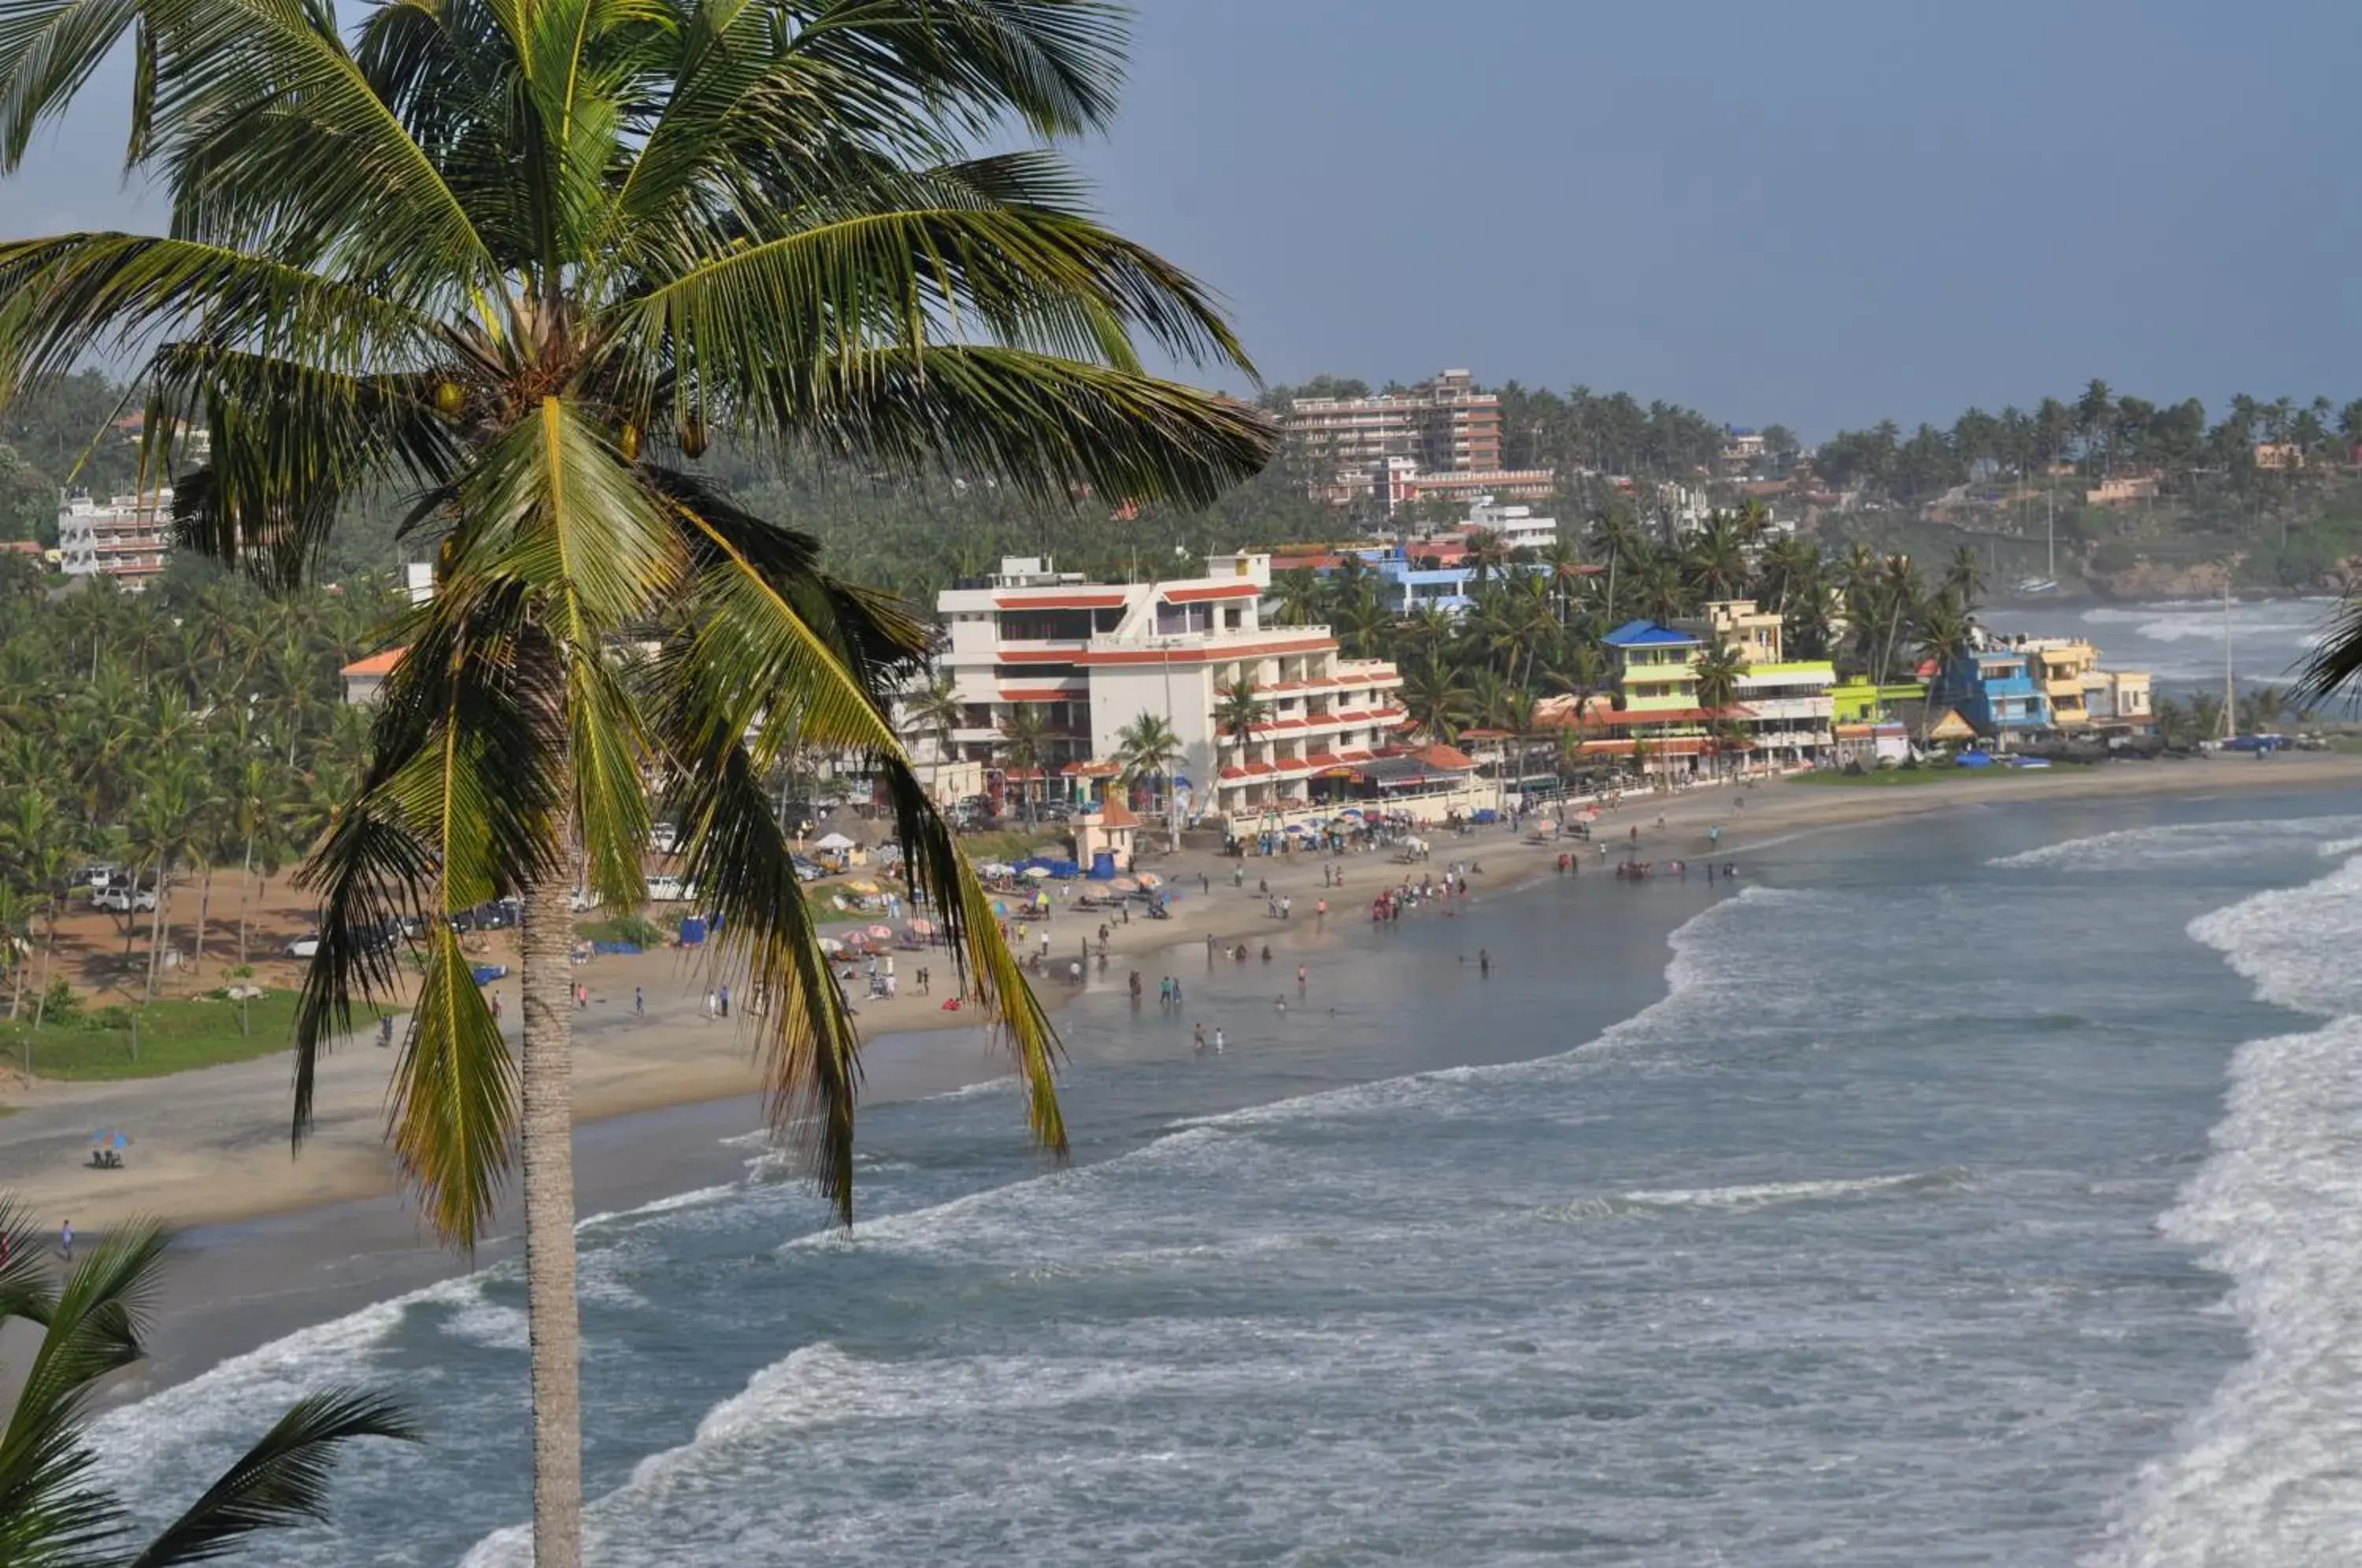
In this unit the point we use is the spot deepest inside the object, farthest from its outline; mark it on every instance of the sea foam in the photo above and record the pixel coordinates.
(2263, 1477)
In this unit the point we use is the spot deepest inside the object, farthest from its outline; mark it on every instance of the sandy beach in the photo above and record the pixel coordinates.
(211, 1145)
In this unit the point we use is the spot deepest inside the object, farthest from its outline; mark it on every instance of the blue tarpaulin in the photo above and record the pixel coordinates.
(1975, 760)
(615, 948)
(692, 931)
(487, 973)
(1103, 866)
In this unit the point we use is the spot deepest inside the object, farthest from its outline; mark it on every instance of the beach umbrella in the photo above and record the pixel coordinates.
(1001, 907)
(882, 933)
(920, 927)
(1038, 872)
(1124, 885)
(835, 841)
(865, 889)
(108, 1138)
(831, 946)
(1151, 880)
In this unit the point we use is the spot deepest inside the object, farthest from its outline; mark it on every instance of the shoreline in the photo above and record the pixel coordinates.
(210, 1146)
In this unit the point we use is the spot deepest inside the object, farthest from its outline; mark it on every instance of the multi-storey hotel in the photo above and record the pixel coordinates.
(1092, 658)
(1441, 439)
(129, 538)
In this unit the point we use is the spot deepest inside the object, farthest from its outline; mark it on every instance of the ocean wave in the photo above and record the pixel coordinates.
(238, 1398)
(2178, 844)
(2263, 1475)
(2296, 946)
(1760, 1195)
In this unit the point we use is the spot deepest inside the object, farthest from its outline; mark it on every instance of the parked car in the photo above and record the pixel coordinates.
(806, 871)
(668, 890)
(664, 838)
(581, 900)
(99, 875)
(125, 900)
(304, 946)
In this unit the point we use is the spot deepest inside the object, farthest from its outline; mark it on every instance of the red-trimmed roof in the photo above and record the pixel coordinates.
(1069, 599)
(1037, 694)
(1038, 656)
(1234, 773)
(376, 664)
(1221, 590)
(1114, 813)
(1446, 757)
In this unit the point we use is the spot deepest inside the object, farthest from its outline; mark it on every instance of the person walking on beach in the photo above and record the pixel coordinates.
(1217, 1040)
(384, 1031)
(711, 1008)
(639, 1002)
(1198, 1038)
(65, 1239)
(1299, 979)
(1484, 962)
(723, 995)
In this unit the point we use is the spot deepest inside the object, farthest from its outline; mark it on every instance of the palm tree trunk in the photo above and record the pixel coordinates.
(245, 886)
(205, 905)
(41, 1001)
(156, 933)
(546, 1128)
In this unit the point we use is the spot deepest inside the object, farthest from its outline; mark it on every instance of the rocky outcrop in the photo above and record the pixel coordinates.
(2147, 579)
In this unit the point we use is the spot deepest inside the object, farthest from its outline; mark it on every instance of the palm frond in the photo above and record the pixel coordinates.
(281, 1481)
(451, 1114)
(93, 1328)
(2334, 665)
(1053, 427)
(66, 297)
(47, 50)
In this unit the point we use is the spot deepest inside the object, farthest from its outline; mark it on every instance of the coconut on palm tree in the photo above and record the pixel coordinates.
(54, 1507)
(527, 265)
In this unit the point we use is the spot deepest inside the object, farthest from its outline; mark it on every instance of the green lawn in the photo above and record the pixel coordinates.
(174, 1037)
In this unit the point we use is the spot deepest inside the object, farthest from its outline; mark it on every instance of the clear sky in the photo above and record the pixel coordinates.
(1821, 212)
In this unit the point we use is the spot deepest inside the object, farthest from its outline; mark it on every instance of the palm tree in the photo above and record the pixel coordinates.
(1025, 747)
(524, 264)
(1237, 712)
(1437, 699)
(1718, 671)
(1299, 596)
(91, 1324)
(932, 712)
(1488, 555)
(1614, 540)
(1147, 748)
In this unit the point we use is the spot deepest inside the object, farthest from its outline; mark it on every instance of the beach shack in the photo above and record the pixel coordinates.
(1106, 836)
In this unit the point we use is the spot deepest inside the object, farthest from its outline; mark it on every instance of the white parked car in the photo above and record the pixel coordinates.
(663, 838)
(124, 900)
(304, 946)
(581, 900)
(98, 875)
(668, 890)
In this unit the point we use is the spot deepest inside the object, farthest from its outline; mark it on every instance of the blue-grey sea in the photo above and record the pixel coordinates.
(1982, 1188)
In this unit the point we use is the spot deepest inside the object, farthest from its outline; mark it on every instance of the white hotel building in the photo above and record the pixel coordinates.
(129, 538)
(1095, 656)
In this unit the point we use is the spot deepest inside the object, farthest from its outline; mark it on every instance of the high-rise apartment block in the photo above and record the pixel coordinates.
(1442, 436)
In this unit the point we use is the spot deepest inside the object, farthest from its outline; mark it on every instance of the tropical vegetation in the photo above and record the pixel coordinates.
(92, 1320)
(520, 266)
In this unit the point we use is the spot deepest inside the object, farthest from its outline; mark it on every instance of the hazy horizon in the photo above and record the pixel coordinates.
(1823, 218)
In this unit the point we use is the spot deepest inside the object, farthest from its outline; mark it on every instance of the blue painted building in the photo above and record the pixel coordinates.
(1995, 691)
